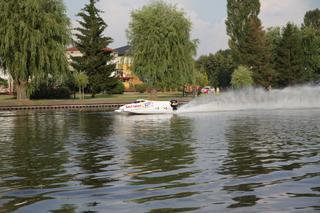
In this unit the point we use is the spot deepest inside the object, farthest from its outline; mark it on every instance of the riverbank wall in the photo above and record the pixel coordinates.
(88, 106)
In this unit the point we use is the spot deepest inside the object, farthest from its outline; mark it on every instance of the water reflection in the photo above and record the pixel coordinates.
(244, 147)
(221, 162)
(94, 151)
(33, 166)
(160, 158)
(265, 152)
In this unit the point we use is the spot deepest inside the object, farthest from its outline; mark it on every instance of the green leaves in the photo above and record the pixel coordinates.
(290, 64)
(91, 42)
(312, 19)
(241, 77)
(218, 68)
(35, 34)
(161, 47)
(248, 41)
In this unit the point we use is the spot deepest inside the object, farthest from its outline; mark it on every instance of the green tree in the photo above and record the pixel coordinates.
(241, 77)
(273, 36)
(311, 50)
(81, 80)
(34, 35)
(96, 58)
(161, 47)
(248, 40)
(312, 19)
(201, 78)
(239, 14)
(218, 67)
(256, 54)
(290, 57)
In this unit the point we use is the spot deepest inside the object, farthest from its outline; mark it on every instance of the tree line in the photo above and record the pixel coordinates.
(35, 33)
(276, 57)
(34, 38)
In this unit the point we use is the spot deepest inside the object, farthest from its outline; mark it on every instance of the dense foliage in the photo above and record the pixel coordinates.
(34, 34)
(118, 89)
(290, 64)
(279, 57)
(218, 67)
(240, 14)
(273, 38)
(96, 59)
(161, 46)
(248, 40)
(312, 19)
(311, 51)
(45, 91)
(142, 88)
(241, 78)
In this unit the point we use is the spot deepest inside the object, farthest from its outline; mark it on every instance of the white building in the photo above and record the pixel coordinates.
(7, 77)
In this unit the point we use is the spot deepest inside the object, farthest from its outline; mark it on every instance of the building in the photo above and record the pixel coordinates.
(124, 63)
(10, 88)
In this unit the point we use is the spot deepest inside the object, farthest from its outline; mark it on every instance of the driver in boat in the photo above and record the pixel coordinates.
(142, 106)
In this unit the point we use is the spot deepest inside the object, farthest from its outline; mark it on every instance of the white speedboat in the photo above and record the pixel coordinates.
(142, 106)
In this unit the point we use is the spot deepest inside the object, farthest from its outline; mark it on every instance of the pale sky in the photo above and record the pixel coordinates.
(207, 17)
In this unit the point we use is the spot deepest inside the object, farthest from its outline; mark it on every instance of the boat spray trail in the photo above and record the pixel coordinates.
(288, 98)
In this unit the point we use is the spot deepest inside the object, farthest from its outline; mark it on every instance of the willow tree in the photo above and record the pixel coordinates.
(34, 34)
(159, 35)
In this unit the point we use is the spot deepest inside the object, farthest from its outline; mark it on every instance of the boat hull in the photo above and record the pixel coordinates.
(147, 108)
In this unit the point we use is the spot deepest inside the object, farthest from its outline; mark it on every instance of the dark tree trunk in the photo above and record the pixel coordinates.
(21, 90)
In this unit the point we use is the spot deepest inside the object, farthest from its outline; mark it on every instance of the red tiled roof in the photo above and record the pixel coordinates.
(74, 49)
(107, 49)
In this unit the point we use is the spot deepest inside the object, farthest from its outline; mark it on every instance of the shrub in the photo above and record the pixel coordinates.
(118, 89)
(241, 78)
(142, 88)
(46, 92)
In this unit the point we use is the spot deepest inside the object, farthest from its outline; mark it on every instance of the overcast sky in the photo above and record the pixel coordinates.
(207, 17)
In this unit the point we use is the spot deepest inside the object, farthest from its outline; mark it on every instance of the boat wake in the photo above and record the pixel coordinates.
(255, 99)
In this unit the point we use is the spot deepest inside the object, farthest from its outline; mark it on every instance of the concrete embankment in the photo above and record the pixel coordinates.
(107, 106)
(85, 106)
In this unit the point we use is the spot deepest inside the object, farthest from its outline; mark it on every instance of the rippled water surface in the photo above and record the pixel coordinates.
(245, 161)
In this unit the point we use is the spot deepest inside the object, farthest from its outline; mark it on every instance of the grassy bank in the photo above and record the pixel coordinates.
(6, 100)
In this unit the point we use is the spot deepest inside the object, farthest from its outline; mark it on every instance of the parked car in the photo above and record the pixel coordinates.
(207, 90)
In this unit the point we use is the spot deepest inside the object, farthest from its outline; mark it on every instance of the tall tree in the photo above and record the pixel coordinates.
(311, 50)
(34, 34)
(248, 40)
(161, 46)
(290, 58)
(273, 36)
(240, 12)
(96, 57)
(312, 19)
(256, 54)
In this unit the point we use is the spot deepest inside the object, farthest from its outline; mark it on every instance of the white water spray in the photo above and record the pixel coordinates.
(288, 98)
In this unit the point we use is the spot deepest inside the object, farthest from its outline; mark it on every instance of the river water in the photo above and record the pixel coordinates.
(236, 161)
